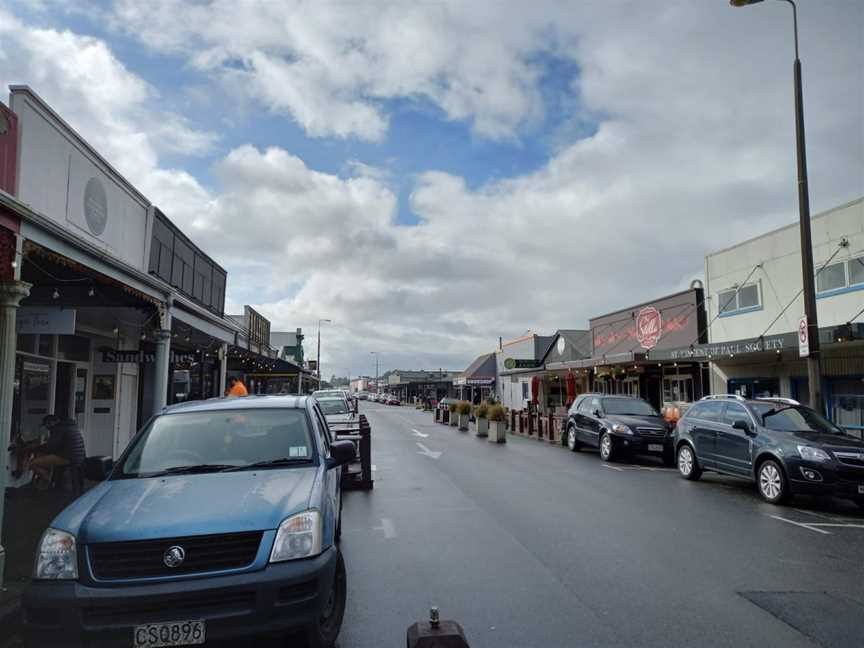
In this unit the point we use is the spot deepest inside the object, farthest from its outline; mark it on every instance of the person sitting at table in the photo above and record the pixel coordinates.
(64, 447)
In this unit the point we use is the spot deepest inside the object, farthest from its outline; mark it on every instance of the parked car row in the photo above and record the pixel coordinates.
(780, 445)
(386, 399)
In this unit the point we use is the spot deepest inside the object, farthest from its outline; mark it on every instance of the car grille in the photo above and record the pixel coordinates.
(850, 458)
(145, 558)
(651, 433)
(175, 606)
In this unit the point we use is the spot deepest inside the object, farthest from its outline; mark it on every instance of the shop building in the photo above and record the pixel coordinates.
(477, 382)
(755, 304)
(288, 345)
(517, 363)
(562, 377)
(410, 385)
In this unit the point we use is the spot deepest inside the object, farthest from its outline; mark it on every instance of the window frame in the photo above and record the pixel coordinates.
(847, 286)
(726, 417)
(738, 309)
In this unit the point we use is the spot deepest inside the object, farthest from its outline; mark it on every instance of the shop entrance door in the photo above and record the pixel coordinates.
(70, 392)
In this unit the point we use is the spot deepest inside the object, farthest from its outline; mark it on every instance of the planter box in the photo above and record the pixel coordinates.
(463, 422)
(496, 432)
(481, 427)
(445, 417)
(454, 419)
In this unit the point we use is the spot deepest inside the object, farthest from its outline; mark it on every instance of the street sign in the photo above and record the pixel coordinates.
(803, 338)
(513, 363)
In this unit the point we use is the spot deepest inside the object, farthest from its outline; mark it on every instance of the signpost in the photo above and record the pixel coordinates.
(803, 338)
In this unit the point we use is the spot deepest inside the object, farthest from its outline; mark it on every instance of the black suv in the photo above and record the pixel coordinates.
(784, 447)
(618, 425)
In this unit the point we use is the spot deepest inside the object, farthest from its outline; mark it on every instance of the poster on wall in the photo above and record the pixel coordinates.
(46, 320)
(103, 387)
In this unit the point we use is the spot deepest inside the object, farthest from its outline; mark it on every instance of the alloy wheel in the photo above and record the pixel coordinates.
(770, 481)
(685, 461)
(571, 438)
(606, 447)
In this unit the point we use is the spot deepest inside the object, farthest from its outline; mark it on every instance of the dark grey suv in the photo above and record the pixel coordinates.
(784, 447)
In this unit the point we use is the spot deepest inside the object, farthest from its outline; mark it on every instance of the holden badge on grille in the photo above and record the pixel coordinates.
(174, 556)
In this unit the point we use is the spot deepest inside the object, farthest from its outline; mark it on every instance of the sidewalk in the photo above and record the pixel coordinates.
(28, 513)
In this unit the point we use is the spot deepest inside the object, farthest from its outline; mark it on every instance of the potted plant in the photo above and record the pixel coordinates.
(452, 409)
(481, 425)
(496, 417)
(463, 409)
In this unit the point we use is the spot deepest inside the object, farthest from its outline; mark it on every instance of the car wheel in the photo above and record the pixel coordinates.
(860, 503)
(572, 441)
(323, 633)
(607, 452)
(687, 464)
(771, 482)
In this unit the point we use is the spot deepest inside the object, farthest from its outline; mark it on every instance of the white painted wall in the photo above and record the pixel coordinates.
(780, 276)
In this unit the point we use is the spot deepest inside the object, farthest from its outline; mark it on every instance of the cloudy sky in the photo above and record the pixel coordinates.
(434, 175)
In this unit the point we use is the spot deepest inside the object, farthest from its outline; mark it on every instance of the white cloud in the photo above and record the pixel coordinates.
(695, 151)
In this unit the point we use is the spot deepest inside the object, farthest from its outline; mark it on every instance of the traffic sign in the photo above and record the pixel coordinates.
(803, 338)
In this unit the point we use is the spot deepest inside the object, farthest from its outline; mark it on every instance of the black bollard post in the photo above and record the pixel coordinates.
(435, 633)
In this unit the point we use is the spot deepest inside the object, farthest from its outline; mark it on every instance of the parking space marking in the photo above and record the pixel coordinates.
(419, 433)
(814, 514)
(618, 468)
(835, 524)
(426, 451)
(387, 527)
(809, 527)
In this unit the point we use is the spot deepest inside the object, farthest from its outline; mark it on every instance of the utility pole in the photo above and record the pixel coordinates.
(377, 388)
(814, 358)
(318, 361)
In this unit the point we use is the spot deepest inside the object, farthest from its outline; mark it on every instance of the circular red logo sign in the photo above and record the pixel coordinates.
(649, 327)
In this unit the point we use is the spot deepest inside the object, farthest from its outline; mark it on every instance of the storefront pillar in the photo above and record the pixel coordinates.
(223, 368)
(11, 294)
(161, 368)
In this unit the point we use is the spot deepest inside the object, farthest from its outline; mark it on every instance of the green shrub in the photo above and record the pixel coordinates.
(452, 407)
(496, 413)
(463, 408)
(482, 410)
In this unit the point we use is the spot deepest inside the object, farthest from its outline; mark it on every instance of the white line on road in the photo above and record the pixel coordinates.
(419, 433)
(843, 526)
(387, 527)
(426, 451)
(819, 515)
(605, 465)
(809, 527)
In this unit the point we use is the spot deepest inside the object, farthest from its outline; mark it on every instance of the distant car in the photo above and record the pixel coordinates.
(619, 425)
(392, 400)
(324, 393)
(782, 446)
(219, 523)
(339, 412)
(362, 396)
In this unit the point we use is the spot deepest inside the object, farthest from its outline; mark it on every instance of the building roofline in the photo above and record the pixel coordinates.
(785, 227)
(645, 303)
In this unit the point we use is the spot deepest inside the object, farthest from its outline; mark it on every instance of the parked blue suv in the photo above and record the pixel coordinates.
(218, 522)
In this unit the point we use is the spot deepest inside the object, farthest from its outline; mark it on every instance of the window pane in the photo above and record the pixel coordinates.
(748, 296)
(832, 277)
(856, 271)
(734, 412)
(46, 345)
(726, 301)
(73, 347)
(712, 411)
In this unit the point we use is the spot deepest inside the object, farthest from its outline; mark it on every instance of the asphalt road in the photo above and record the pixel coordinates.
(529, 545)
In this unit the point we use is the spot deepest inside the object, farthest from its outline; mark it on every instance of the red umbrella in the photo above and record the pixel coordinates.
(571, 388)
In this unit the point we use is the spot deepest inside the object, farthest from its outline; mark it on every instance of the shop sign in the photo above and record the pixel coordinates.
(803, 338)
(727, 349)
(649, 327)
(137, 356)
(526, 363)
(48, 321)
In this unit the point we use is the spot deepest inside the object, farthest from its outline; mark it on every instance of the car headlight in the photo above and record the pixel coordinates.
(621, 429)
(813, 454)
(298, 537)
(58, 556)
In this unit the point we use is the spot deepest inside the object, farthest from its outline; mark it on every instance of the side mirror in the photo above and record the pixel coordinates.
(97, 469)
(341, 453)
(742, 425)
(598, 413)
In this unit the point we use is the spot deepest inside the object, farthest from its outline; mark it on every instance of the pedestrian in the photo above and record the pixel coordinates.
(64, 447)
(236, 387)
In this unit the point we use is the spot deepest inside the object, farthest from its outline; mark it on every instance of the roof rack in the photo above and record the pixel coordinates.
(723, 397)
(778, 399)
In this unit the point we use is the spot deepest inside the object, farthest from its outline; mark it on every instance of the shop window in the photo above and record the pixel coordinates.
(832, 277)
(856, 271)
(26, 343)
(46, 345)
(524, 390)
(739, 300)
(73, 347)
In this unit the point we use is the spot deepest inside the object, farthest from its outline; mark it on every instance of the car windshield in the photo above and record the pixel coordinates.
(625, 406)
(793, 418)
(218, 440)
(333, 406)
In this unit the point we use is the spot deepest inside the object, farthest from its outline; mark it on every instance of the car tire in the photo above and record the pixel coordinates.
(323, 633)
(688, 465)
(771, 482)
(860, 503)
(607, 448)
(572, 441)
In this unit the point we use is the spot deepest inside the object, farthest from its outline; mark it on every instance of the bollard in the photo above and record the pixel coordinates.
(435, 633)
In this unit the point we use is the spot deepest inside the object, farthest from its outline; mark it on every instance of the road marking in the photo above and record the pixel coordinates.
(843, 526)
(374, 468)
(426, 451)
(387, 527)
(419, 433)
(605, 465)
(809, 527)
(819, 515)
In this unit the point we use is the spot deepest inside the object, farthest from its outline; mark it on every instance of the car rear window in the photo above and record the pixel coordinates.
(219, 438)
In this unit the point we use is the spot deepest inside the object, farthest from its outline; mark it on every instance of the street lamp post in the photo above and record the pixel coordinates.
(318, 361)
(814, 358)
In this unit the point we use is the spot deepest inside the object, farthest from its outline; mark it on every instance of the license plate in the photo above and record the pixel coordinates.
(655, 447)
(861, 489)
(173, 633)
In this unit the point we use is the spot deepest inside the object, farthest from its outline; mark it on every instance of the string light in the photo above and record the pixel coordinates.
(143, 335)
(55, 294)
(116, 331)
(91, 292)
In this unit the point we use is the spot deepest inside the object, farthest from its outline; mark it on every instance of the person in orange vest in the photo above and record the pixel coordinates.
(236, 388)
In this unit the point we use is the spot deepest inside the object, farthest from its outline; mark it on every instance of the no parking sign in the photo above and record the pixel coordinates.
(803, 338)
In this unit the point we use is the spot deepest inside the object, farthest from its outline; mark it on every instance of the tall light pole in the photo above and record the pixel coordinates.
(318, 361)
(814, 359)
(377, 388)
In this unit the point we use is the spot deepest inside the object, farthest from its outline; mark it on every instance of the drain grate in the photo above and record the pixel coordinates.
(830, 620)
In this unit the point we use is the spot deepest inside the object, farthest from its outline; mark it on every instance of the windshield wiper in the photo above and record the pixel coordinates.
(270, 463)
(194, 468)
(774, 411)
